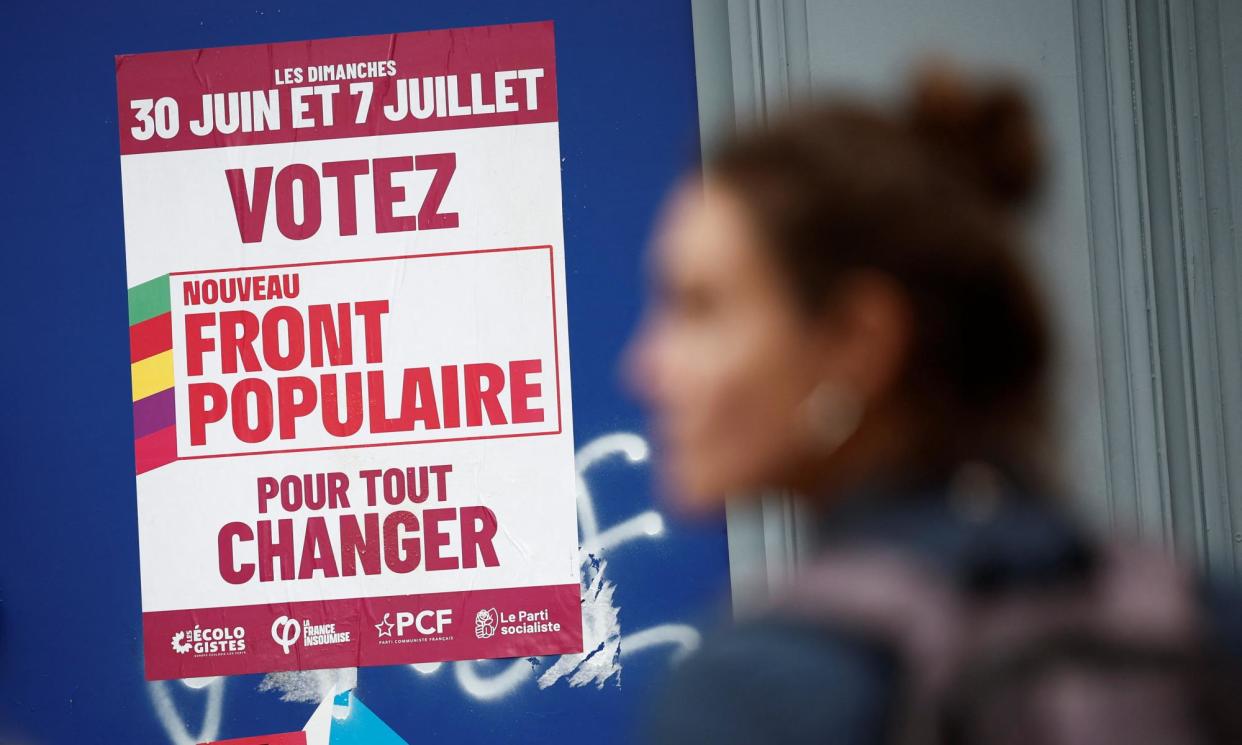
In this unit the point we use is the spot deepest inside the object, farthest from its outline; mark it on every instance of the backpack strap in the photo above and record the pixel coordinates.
(947, 638)
(884, 596)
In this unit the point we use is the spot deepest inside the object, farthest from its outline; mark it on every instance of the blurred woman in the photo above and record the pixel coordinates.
(841, 312)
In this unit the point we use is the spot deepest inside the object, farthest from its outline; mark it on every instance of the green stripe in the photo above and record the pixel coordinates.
(149, 300)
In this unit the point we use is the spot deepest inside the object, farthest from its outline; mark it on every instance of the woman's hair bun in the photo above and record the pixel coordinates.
(986, 131)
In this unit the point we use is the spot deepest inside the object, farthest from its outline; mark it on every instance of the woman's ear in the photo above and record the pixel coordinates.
(868, 328)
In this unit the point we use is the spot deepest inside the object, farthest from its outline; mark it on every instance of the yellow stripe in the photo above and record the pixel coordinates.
(152, 375)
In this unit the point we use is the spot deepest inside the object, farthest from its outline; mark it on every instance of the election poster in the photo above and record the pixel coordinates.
(350, 368)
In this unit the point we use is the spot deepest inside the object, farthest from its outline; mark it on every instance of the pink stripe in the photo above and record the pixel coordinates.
(156, 449)
(381, 631)
(186, 76)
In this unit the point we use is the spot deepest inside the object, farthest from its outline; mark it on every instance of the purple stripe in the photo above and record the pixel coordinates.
(155, 412)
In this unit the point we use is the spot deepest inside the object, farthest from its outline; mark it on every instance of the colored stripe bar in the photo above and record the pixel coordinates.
(152, 375)
(149, 300)
(150, 337)
(154, 450)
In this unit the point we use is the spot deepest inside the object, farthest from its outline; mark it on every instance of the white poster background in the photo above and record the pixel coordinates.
(506, 190)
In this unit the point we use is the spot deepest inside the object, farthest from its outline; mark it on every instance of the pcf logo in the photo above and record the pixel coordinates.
(423, 623)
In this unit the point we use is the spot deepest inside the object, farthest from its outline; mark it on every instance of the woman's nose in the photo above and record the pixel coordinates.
(638, 367)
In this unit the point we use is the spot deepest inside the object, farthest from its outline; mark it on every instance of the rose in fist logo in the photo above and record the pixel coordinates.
(485, 622)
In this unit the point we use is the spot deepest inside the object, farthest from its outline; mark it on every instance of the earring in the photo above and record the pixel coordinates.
(832, 413)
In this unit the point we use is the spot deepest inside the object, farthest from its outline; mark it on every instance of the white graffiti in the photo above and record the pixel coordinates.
(602, 639)
(309, 686)
(174, 726)
(604, 645)
(600, 659)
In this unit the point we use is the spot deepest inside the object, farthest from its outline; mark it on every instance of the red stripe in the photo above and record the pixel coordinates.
(150, 337)
(372, 626)
(186, 76)
(155, 450)
(285, 738)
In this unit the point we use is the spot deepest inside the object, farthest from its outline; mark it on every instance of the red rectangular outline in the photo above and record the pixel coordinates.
(556, 356)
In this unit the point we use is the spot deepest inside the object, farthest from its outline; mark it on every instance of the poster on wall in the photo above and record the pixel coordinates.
(351, 396)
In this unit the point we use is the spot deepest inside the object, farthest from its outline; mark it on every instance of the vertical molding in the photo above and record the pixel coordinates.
(1169, 266)
(714, 81)
(1155, 130)
(771, 70)
(1219, 55)
(1203, 170)
(761, 68)
(1162, 142)
(1120, 247)
(771, 62)
(713, 67)
(774, 74)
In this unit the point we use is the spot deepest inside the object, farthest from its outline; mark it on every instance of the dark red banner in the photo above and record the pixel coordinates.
(331, 88)
(511, 622)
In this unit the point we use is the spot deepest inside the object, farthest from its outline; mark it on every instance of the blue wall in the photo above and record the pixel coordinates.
(70, 647)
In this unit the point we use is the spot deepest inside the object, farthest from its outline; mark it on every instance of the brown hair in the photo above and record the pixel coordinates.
(924, 194)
